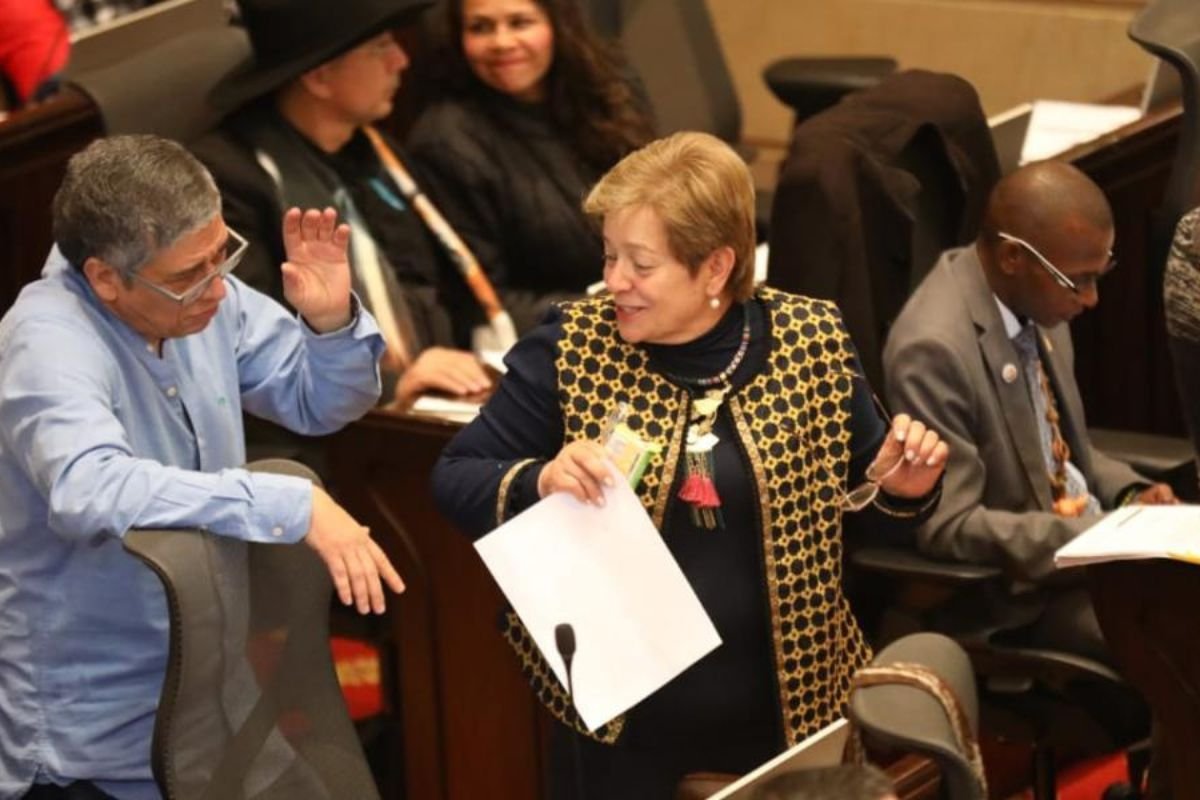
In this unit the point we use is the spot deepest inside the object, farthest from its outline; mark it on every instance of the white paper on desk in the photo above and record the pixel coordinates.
(608, 573)
(1136, 532)
(1057, 126)
(446, 408)
(823, 749)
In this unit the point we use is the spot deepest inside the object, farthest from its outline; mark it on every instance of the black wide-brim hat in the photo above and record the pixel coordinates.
(290, 37)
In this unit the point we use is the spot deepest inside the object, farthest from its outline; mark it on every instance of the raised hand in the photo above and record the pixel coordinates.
(911, 458)
(316, 275)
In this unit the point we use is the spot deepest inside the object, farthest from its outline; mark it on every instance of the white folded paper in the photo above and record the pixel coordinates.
(1136, 532)
(607, 572)
(1057, 126)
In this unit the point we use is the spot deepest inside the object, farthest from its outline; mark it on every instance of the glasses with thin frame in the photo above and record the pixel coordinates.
(864, 494)
(235, 248)
(1075, 285)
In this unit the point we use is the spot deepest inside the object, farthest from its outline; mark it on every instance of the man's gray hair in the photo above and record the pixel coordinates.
(124, 198)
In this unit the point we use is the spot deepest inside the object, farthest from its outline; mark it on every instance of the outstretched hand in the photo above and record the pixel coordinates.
(1158, 494)
(316, 275)
(911, 458)
(356, 563)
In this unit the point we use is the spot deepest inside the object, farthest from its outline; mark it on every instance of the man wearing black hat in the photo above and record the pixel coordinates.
(299, 136)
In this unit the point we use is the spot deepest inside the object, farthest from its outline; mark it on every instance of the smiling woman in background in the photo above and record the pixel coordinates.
(539, 109)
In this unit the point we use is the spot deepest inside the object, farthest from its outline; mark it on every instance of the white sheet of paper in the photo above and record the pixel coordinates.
(1136, 532)
(446, 408)
(494, 359)
(608, 573)
(1057, 126)
(822, 749)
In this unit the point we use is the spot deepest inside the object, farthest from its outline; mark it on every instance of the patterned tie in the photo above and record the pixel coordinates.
(1065, 478)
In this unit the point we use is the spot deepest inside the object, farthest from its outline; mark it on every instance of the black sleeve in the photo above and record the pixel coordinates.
(888, 519)
(489, 470)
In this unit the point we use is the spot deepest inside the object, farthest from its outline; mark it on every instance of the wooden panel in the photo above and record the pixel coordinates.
(471, 725)
(1147, 612)
(1122, 364)
(1059, 49)
(34, 147)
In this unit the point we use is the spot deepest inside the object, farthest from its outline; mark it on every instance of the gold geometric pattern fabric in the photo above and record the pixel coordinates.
(795, 416)
(793, 423)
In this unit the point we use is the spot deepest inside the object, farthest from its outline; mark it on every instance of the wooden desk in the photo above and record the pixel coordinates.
(1148, 612)
(1121, 344)
(472, 727)
(35, 144)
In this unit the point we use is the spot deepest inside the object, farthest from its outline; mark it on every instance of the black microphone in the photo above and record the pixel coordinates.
(564, 642)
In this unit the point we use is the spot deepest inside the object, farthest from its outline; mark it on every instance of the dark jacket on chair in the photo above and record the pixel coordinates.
(872, 190)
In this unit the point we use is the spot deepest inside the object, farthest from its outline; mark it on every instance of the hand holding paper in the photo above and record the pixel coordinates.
(606, 571)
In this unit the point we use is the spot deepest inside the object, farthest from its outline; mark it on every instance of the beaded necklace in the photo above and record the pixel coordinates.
(724, 375)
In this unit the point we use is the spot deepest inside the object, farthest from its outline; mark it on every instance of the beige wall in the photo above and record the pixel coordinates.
(1011, 50)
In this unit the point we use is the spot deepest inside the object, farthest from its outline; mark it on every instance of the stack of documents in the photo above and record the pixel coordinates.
(1136, 532)
(1057, 126)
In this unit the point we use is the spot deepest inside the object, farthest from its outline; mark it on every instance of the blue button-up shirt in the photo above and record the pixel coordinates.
(100, 434)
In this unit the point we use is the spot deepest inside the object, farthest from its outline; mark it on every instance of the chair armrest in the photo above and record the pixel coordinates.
(1150, 454)
(810, 85)
(905, 563)
(1055, 668)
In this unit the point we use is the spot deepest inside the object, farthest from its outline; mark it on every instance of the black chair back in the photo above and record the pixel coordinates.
(164, 89)
(900, 711)
(251, 708)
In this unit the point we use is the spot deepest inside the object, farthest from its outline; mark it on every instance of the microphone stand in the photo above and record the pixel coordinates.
(564, 642)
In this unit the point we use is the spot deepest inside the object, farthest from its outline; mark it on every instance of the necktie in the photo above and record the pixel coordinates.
(1065, 478)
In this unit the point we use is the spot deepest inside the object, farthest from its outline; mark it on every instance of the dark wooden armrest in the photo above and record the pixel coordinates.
(1150, 454)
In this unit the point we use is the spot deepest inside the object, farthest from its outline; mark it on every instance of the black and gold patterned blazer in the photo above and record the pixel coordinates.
(793, 420)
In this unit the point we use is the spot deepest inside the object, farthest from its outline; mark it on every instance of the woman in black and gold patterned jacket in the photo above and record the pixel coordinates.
(766, 434)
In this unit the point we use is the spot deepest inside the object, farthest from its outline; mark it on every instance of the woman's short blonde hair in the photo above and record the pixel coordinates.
(701, 190)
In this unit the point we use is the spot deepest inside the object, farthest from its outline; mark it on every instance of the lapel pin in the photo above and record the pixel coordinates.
(1009, 373)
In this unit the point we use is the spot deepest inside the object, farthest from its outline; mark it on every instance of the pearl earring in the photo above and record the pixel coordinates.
(714, 302)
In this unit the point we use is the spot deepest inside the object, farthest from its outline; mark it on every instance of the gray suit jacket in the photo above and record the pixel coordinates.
(946, 360)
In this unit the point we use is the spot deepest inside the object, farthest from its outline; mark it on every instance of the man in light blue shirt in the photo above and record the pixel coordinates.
(125, 371)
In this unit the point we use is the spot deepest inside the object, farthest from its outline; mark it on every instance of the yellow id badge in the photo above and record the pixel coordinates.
(630, 453)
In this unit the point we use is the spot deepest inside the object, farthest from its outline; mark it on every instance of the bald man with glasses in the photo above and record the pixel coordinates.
(982, 351)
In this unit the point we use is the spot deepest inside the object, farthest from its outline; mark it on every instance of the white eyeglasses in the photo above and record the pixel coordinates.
(235, 248)
(1076, 285)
